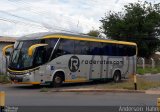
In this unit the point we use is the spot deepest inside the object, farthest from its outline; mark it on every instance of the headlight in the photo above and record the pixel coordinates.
(27, 74)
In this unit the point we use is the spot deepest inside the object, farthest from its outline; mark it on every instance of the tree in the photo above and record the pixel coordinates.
(94, 33)
(138, 22)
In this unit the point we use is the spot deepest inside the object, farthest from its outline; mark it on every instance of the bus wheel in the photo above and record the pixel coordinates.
(57, 80)
(117, 76)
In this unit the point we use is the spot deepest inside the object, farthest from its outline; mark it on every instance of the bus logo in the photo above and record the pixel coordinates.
(74, 63)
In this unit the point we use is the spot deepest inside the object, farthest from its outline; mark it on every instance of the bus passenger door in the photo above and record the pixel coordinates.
(43, 72)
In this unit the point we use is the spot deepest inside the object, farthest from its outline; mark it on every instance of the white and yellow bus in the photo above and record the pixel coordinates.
(56, 58)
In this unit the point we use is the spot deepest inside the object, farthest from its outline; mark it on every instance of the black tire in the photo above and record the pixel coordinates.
(117, 76)
(57, 80)
(36, 85)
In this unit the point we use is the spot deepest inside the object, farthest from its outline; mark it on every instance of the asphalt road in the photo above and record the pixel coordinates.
(21, 95)
(151, 77)
(29, 98)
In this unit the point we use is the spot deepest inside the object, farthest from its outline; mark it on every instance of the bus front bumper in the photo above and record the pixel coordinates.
(23, 79)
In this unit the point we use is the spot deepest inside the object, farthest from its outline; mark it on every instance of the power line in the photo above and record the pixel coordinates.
(19, 22)
(10, 14)
(44, 12)
(43, 25)
(32, 10)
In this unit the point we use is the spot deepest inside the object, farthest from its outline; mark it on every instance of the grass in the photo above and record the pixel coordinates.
(142, 71)
(44, 90)
(142, 84)
(4, 79)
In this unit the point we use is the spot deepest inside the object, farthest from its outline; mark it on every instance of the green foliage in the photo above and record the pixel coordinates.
(44, 90)
(94, 33)
(142, 84)
(142, 71)
(4, 79)
(138, 22)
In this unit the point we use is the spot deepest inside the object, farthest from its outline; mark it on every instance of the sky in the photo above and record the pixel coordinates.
(22, 17)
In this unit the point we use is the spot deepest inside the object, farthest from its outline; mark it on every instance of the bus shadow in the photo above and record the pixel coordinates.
(83, 84)
(91, 83)
(66, 85)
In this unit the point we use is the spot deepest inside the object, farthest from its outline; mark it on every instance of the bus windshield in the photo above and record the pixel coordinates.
(20, 60)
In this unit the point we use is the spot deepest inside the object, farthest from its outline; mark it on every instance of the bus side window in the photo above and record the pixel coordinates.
(120, 50)
(101, 49)
(81, 47)
(131, 50)
(114, 50)
(64, 47)
(86, 48)
(94, 48)
(105, 49)
(110, 50)
(125, 51)
(77, 47)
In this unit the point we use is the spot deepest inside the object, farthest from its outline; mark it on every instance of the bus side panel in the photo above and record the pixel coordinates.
(75, 67)
(105, 67)
(132, 66)
(125, 68)
(95, 68)
(84, 67)
(43, 74)
(60, 62)
(114, 63)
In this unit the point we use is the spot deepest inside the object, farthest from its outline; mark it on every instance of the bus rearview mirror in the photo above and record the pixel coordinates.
(4, 50)
(32, 48)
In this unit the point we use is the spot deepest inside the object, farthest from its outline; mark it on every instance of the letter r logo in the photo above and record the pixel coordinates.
(73, 63)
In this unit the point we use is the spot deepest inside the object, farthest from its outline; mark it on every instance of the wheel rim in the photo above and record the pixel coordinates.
(57, 80)
(116, 78)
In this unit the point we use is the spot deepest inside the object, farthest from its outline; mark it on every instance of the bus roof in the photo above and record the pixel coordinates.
(47, 35)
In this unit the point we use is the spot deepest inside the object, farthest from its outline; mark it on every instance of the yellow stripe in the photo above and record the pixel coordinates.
(135, 78)
(89, 39)
(78, 80)
(22, 70)
(30, 50)
(2, 98)
(27, 82)
(5, 48)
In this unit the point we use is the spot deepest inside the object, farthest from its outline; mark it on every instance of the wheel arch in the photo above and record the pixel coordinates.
(117, 70)
(59, 71)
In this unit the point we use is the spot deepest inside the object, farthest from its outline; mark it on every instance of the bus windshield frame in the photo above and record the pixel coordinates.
(20, 60)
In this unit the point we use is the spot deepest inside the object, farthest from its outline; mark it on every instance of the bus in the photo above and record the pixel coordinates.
(56, 58)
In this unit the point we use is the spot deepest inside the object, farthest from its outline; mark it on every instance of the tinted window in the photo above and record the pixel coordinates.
(20, 59)
(95, 48)
(131, 50)
(110, 49)
(118, 50)
(49, 48)
(125, 50)
(114, 50)
(81, 47)
(105, 49)
(64, 47)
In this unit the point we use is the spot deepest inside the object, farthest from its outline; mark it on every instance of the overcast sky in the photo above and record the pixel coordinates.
(21, 17)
